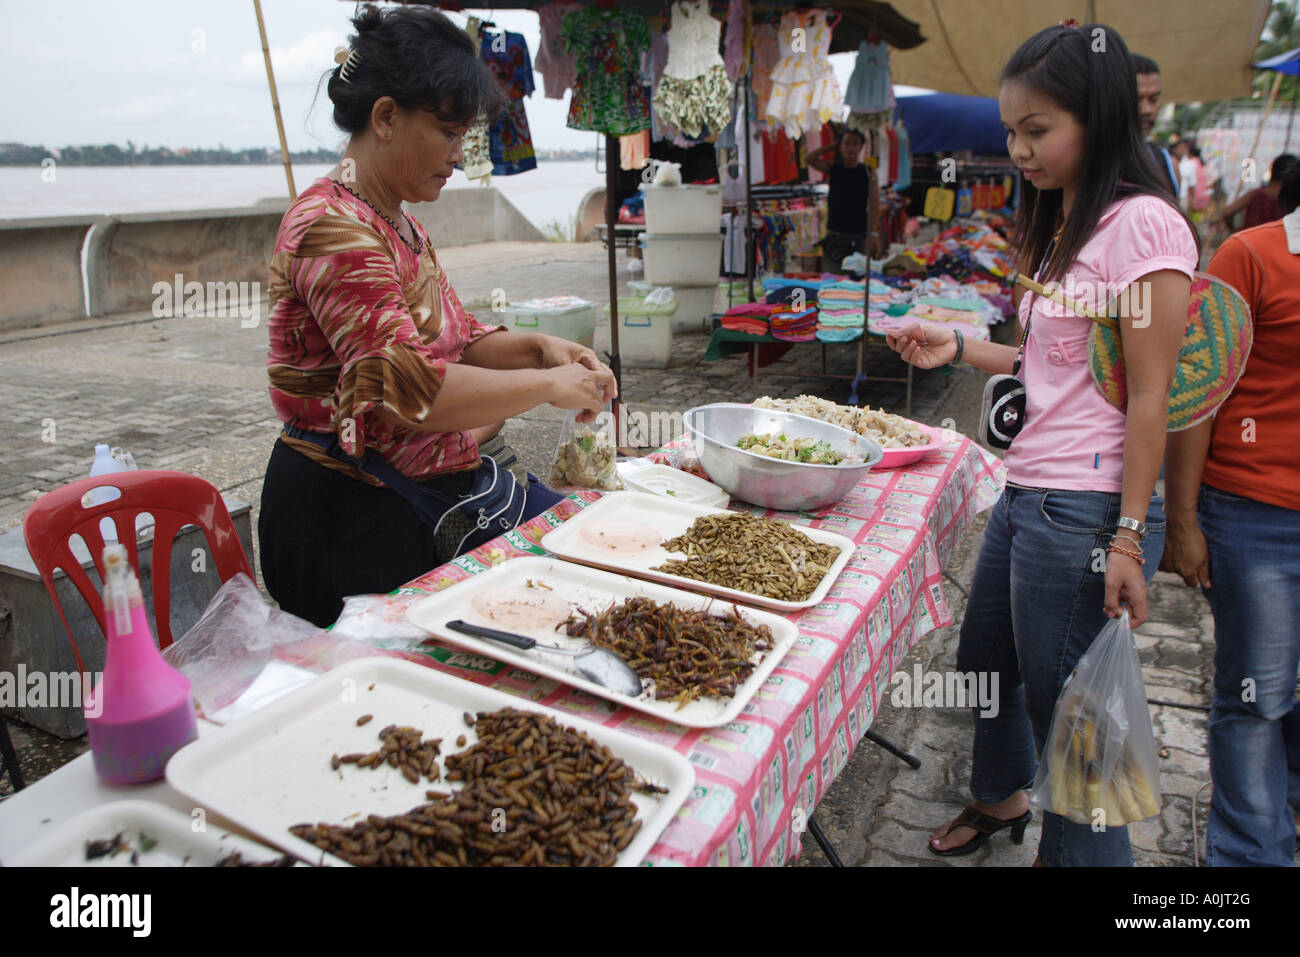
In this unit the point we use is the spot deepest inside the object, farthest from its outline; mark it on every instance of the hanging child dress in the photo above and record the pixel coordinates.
(869, 86)
(805, 93)
(694, 93)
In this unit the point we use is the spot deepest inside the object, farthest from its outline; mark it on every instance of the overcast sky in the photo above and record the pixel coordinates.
(190, 73)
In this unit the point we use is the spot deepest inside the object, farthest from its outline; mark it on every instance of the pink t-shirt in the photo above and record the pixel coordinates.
(1074, 439)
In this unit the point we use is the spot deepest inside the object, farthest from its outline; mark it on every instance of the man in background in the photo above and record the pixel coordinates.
(846, 228)
(1148, 90)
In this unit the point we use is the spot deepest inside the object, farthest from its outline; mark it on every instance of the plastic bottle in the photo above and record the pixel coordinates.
(142, 711)
(105, 464)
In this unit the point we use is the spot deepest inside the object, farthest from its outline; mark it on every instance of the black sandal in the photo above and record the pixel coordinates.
(984, 826)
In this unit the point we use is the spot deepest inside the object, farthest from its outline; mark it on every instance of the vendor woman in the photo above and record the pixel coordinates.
(388, 388)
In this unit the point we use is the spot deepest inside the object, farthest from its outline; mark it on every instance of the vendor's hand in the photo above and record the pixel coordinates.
(926, 347)
(1186, 553)
(559, 352)
(578, 387)
(1125, 585)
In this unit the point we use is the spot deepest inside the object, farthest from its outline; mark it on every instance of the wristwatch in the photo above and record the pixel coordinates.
(1133, 525)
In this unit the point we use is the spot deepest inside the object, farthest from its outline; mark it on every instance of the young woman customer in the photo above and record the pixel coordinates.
(1077, 533)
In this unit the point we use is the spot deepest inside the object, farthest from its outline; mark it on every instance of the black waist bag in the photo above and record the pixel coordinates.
(493, 504)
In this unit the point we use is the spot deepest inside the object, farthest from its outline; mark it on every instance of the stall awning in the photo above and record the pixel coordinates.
(1204, 47)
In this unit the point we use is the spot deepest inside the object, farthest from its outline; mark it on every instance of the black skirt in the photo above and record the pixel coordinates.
(324, 535)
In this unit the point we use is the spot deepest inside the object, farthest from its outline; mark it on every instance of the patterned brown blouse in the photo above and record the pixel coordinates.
(361, 333)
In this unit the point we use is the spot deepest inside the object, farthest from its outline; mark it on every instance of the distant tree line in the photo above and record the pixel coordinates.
(110, 154)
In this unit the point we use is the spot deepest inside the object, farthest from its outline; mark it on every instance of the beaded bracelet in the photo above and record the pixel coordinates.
(1124, 551)
(1116, 537)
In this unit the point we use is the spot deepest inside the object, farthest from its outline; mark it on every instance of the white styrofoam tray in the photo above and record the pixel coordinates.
(670, 518)
(271, 770)
(642, 475)
(592, 591)
(168, 834)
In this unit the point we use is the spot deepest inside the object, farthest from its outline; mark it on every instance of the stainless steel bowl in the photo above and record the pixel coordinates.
(775, 483)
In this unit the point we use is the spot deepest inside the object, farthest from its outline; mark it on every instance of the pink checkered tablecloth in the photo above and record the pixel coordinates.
(758, 778)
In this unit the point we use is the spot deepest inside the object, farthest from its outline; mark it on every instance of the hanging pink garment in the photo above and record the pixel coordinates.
(557, 66)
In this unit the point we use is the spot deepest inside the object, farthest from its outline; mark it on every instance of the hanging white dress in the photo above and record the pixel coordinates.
(805, 93)
(694, 92)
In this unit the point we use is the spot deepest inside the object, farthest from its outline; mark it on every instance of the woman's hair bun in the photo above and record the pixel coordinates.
(418, 57)
(367, 18)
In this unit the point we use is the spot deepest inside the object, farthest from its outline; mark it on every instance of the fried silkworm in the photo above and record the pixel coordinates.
(534, 793)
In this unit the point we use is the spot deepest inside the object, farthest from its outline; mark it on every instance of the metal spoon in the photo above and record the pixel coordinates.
(598, 664)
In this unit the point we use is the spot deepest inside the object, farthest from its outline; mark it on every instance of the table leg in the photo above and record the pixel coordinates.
(754, 373)
(911, 760)
(910, 369)
(9, 758)
(819, 836)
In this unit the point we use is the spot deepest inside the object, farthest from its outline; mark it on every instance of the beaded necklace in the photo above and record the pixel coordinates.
(417, 247)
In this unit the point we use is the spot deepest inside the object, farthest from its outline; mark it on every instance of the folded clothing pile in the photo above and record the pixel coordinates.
(795, 325)
(971, 316)
(841, 304)
(754, 318)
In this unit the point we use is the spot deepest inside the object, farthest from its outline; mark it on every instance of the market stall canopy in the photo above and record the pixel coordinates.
(946, 122)
(1287, 63)
(861, 18)
(1204, 47)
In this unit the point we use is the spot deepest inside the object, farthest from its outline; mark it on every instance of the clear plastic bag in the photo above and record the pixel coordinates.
(585, 455)
(244, 653)
(380, 621)
(1100, 765)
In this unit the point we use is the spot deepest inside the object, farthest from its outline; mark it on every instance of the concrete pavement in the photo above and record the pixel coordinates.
(190, 394)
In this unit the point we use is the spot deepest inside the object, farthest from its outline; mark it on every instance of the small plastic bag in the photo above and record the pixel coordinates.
(380, 621)
(1100, 765)
(585, 455)
(661, 296)
(244, 653)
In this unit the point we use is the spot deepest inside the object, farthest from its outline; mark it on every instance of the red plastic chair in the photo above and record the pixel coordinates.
(172, 498)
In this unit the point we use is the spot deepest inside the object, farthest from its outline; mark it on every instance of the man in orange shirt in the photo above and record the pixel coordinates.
(1244, 466)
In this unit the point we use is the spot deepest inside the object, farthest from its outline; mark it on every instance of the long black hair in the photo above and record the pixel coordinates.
(1088, 72)
(418, 57)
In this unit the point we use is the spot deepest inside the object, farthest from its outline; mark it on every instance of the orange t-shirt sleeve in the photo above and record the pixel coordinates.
(1234, 264)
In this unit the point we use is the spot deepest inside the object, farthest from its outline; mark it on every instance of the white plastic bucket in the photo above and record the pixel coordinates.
(694, 308)
(562, 316)
(682, 209)
(682, 260)
(645, 337)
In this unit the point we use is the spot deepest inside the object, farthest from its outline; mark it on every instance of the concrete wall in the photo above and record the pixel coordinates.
(40, 269)
(464, 216)
(136, 250)
(40, 259)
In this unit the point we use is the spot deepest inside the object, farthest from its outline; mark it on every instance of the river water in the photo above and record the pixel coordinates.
(548, 194)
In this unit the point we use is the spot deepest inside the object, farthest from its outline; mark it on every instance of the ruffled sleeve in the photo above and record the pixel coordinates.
(1148, 235)
(345, 275)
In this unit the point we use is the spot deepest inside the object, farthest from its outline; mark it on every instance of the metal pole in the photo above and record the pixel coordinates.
(749, 206)
(1295, 95)
(611, 221)
(1268, 108)
(275, 101)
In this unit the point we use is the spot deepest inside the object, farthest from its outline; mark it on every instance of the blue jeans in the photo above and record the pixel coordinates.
(1035, 607)
(1255, 718)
